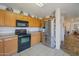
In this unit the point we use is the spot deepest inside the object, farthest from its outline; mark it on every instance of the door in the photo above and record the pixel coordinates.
(23, 43)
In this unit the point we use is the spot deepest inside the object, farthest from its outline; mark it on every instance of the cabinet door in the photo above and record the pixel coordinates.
(10, 19)
(35, 23)
(31, 22)
(10, 46)
(1, 48)
(38, 23)
(42, 23)
(21, 17)
(1, 18)
(35, 38)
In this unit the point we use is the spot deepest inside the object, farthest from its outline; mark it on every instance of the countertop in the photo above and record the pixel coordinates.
(6, 36)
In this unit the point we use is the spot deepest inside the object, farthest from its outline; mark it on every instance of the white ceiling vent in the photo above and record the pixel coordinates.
(39, 4)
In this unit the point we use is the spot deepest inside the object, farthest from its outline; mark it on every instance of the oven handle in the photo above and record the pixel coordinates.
(24, 36)
(21, 36)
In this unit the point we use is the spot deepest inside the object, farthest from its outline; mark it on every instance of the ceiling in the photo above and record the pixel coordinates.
(67, 9)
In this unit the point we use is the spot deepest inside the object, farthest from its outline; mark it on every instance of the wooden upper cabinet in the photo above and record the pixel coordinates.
(42, 23)
(37, 23)
(10, 19)
(2, 17)
(21, 17)
(31, 22)
(34, 22)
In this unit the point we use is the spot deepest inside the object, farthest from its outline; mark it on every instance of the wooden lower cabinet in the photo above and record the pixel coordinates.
(35, 38)
(1, 48)
(9, 46)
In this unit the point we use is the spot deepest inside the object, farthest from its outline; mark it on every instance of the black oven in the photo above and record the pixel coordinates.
(20, 23)
(23, 42)
(23, 39)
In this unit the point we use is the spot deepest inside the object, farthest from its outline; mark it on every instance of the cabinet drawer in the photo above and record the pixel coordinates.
(10, 38)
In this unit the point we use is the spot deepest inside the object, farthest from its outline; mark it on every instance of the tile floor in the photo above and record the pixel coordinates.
(41, 50)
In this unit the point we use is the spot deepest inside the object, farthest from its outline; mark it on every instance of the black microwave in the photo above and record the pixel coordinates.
(20, 23)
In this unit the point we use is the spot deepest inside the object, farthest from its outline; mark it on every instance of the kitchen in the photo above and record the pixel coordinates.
(25, 34)
(12, 27)
(20, 31)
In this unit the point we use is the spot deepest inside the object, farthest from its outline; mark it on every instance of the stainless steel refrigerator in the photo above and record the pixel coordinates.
(49, 33)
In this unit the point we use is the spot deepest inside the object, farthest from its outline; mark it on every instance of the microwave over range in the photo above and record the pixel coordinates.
(20, 23)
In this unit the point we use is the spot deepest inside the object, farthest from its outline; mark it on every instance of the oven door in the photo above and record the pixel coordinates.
(23, 42)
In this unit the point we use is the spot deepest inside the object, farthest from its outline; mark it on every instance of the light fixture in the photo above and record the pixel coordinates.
(39, 4)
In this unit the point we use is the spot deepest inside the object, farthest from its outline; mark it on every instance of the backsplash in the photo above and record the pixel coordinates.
(8, 30)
